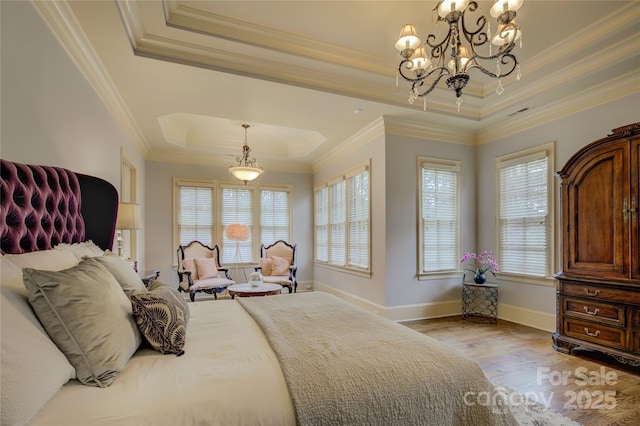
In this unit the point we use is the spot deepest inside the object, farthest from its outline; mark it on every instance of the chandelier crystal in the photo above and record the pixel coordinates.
(247, 169)
(469, 44)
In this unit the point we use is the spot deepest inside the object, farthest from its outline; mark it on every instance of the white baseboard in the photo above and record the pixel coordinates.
(519, 315)
(356, 300)
(528, 317)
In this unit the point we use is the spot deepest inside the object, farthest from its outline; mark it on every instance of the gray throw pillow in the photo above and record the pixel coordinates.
(161, 315)
(88, 316)
(124, 273)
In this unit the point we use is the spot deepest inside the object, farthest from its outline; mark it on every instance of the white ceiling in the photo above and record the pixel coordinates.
(310, 76)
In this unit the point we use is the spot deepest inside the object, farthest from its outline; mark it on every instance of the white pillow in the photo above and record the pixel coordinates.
(51, 260)
(80, 250)
(32, 367)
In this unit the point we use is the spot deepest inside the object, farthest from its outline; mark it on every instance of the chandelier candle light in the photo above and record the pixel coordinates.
(246, 170)
(468, 41)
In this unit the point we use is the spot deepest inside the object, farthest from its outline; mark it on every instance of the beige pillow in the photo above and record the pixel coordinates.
(190, 265)
(206, 267)
(51, 260)
(88, 316)
(80, 250)
(266, 266)
(124, 273)
(280, 266)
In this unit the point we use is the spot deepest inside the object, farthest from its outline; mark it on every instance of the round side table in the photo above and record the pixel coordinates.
(246, 290)
(480, 302)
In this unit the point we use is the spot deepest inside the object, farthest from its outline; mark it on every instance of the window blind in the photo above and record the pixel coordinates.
(358, 219)
(236, 207)
(440, 217)
(524, 216)
(195, 214)
(337, 223)
(274, 216)
(322, 224)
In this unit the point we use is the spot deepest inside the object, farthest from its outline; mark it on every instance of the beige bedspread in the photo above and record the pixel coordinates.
(228, 376)
(344, 365)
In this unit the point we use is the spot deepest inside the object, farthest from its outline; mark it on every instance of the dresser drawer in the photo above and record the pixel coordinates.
(636, 341)
(596, 333)
(603, 292)
(594, 311)
(635, 319)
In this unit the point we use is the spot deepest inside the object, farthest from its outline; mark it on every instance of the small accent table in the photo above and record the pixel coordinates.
(480, 302)
(246, 290)
(150, 276)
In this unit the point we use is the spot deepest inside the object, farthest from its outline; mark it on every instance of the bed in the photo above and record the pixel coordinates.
(306, 358)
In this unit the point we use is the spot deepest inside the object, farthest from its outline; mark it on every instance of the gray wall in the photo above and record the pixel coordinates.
(403, 286)
(161, 253)
(569, 134)
(50, 113)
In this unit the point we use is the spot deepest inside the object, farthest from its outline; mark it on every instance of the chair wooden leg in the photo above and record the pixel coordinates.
(192, 296)
(215, 295)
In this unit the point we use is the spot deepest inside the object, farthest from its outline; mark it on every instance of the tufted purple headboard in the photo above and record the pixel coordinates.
(42, 206)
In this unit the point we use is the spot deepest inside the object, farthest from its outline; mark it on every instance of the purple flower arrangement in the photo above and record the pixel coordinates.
(479, 264)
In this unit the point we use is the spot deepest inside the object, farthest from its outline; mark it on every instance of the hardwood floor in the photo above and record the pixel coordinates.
(590, 392)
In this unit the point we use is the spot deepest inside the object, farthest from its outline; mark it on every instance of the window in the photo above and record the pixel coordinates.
(337, 222)
(525, 219)
(358, 220)
(439, 216)
(341, 222)
(204, 209)
(195, 214)
(236, 207)
(322, 224)
(274, 216)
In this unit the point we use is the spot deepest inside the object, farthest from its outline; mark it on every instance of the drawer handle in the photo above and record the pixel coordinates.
(596, 334)
(595, 293)
(594, 312)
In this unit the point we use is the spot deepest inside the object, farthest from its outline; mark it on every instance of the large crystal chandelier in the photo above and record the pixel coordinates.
(468, 43)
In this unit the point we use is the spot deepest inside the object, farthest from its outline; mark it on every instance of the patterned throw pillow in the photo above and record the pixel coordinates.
(280, 266)
(161, 315)
(207, 267)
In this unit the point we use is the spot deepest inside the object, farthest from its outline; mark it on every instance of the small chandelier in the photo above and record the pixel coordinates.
(468, 46)
(246, 169)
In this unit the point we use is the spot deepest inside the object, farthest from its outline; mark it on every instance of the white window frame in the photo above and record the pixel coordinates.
(545, 151)
(128, 194)
(217, 232)
(453, 166)
(346, 265)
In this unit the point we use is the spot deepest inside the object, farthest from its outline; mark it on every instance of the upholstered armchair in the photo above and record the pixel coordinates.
(199, 270)
(278, 264)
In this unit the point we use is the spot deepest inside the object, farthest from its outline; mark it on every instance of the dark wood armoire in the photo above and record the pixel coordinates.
(598, 290)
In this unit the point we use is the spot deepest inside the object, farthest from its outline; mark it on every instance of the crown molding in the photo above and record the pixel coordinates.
(437, 132)
(215, 25)
(358, 140)
(621, 87)
(223, 161)
(69, 33)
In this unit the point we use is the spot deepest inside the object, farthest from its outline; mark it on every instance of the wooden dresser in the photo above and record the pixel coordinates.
(598, 290)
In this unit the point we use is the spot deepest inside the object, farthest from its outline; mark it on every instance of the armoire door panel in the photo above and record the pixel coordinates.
(634, 206)
(596, 194)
